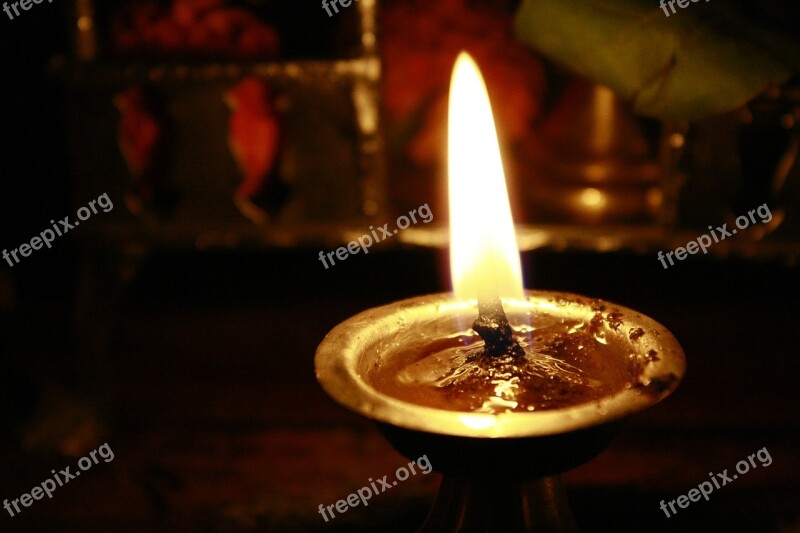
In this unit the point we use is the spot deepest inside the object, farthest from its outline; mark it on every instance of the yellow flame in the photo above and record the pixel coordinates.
(484, 256)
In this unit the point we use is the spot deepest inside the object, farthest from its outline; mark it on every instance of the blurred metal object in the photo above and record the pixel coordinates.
(591, 175)
(769, 146)
(84, 31)
(331, 170)
(593, 162)
(735, 162)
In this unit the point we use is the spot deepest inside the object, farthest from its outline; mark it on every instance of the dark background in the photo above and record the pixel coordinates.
(206, 392)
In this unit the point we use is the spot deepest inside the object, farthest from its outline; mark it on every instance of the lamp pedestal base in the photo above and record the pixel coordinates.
(488, 506)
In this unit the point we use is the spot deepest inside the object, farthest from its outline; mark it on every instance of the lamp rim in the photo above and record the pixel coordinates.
(339, 369)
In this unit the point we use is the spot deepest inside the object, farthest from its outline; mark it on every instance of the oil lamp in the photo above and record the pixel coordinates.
(501, 426)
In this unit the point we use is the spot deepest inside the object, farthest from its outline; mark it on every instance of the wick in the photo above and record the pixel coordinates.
(493, 327)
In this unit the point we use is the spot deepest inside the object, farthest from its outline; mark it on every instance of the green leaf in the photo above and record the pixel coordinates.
(706, 58)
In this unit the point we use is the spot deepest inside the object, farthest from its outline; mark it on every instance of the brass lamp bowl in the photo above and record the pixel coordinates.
(496, 465)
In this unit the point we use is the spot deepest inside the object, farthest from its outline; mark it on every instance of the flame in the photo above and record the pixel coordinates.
(484, 256)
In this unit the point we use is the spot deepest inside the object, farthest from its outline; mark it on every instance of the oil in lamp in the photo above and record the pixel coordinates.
(503, 389)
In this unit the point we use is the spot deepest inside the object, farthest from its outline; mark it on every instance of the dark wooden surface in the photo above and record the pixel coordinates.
(205, 392)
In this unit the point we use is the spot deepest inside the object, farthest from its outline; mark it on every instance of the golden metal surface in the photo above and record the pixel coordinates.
(359, 342)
